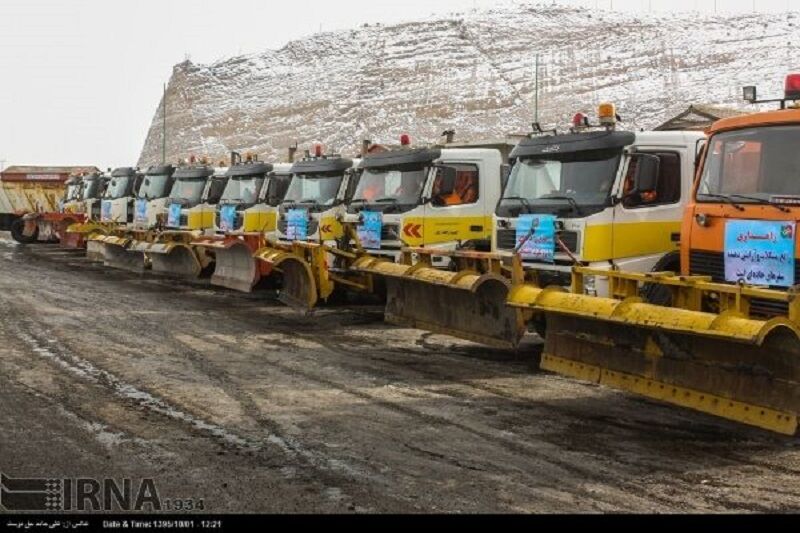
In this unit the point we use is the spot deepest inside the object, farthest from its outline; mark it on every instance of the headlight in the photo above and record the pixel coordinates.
(590, 285)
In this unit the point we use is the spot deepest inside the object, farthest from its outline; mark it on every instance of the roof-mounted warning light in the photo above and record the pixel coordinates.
(791, 92)
(607, 115)
(405, 140)
(317, 150)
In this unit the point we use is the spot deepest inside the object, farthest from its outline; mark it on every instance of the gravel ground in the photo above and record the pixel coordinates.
(244, 404)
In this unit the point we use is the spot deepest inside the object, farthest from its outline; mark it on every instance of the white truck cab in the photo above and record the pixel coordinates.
(611, 199)
(196, 191)
(151, 199)
(117, 205)
(251, 198)
(314, 203)
(426, 197)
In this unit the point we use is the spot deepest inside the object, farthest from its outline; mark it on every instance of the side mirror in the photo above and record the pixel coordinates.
(646, 176)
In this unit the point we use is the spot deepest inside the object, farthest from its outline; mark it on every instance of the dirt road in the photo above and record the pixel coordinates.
(241, 402)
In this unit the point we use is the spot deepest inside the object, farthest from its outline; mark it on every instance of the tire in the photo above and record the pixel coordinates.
(655, 293)
(17, 229)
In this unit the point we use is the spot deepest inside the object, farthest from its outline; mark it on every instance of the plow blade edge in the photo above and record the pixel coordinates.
(725, 364)
(235, 267)
(465, 304)
(174, 260)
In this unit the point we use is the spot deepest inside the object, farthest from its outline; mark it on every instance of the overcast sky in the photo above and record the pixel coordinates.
(80, 79)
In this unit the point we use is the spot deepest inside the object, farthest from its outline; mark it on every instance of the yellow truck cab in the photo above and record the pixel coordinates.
(604, 199)
(426, 197)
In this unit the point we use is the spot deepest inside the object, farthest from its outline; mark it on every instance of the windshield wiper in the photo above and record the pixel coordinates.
(520, 199)
(761, 201)
(387, 201)
(723, 197)
(572, 202)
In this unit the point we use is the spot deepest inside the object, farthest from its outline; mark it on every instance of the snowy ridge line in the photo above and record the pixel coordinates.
(473, 72)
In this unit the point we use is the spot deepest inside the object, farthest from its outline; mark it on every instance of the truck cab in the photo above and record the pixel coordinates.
(72, 201)
(605, 199)
(151, 198)
(117, 205)
(314, 203)
(93, 187)
(741, 225)
(241, 207)
(426, 197)
(191, 204)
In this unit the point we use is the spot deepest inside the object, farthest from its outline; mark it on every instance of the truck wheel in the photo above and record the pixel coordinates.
(655, 293)
(17, 229)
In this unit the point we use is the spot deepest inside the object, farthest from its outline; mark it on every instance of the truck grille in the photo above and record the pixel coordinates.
(507, 239)
(283, 225)
(712, 264)
(238, 223)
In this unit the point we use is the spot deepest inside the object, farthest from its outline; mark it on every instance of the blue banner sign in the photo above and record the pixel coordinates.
(760, 252)
(105, 211)
(538, 233)
(297, 224)
(140, 211)
(174, 216)
(369, 231)
(227, 218)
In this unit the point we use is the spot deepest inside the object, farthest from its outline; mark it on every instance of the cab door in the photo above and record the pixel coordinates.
(455, 210)
(647, 222)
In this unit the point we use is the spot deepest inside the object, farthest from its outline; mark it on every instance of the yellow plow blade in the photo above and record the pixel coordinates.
(468, 304)
(236, 266)
(726, 364)
(121, 253)
(304, 272)
(174, 259)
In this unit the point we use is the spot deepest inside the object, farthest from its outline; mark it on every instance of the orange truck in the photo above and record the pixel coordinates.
(723, 337)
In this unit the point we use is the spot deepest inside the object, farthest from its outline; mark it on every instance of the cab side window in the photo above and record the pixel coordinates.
(455, 184)
(668, 190)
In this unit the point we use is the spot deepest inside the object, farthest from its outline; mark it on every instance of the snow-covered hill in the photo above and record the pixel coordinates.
(472, 72)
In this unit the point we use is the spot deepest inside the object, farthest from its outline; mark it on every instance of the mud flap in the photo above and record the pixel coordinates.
(72, 241)
(174, 260)
(235, 268)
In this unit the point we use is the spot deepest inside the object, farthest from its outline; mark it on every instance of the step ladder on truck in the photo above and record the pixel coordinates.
(594, 197)
(726, 338)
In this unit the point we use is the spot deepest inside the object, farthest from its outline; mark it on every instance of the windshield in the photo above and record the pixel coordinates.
(242, 190)
(90, 187)
(390, 186)
(73, 192)
(759, 163)
(318, 189)
(153, 187)
(117, 188)
(567, 182)
(187, 191)
(276, 188)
